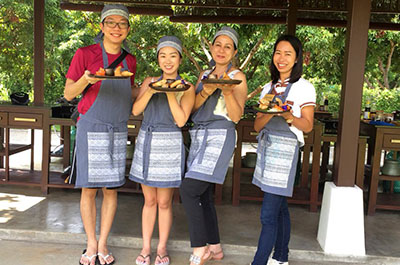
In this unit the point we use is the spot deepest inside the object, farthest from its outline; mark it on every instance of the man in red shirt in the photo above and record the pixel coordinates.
(101, 136)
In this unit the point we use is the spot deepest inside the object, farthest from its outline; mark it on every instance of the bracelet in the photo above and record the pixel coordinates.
(290, 120)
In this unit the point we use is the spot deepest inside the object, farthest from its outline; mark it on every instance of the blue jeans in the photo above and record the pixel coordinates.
(275, 232)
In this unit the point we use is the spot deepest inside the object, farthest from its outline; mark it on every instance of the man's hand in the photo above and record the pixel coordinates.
(91, 80)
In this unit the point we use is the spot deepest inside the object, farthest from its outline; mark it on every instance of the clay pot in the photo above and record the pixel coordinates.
(129, 151)
(391, 168)
(396, 115)
(250, 159)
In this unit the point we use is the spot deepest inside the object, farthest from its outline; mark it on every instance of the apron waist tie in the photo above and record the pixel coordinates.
(146, 150)
(263, 135)
(203, 145)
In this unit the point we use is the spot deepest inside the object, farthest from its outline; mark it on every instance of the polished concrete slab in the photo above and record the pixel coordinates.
(66, 254)
(55, 218)
(36, 223)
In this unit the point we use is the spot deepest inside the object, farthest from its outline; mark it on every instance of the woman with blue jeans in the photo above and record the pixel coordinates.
(280, 136)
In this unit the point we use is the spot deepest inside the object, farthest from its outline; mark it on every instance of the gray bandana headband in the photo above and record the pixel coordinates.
(230, 32)
(119, 10)
(170, 41)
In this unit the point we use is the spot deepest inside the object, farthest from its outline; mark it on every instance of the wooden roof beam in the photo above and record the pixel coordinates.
(132, 10)
(268, 5)
(277, 20)
(229, 19)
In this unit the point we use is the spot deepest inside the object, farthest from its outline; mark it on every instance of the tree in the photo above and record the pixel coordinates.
(16, 46)
(66, 31)
(382, 49)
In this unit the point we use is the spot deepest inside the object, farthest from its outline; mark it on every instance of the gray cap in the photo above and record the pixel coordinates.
(170, 41)
(230, 32)
(110, 10)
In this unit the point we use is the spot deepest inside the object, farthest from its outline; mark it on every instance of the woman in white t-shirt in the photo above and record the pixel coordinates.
(280, 136)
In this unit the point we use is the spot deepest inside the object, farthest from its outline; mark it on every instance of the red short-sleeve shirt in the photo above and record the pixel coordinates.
(91, 58)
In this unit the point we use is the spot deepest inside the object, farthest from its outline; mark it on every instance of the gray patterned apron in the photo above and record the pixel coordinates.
(159, 157)
(277, 155)
(102, 134)
(213, 139)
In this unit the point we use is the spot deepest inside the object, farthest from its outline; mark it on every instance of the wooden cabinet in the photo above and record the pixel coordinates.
(245, 133)
(21, 117)
(380, 138)
(25, 120)
(3, 119)
(134, 126)
(391, 141)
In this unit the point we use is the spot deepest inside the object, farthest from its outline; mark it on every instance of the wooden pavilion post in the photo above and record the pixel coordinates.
(351, 94)
(38, 54)
(341, 223)
(291, 19)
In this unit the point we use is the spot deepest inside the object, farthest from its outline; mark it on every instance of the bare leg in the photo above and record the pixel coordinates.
(149, 214)
(164, 201)
(108, 210)
(88, 214)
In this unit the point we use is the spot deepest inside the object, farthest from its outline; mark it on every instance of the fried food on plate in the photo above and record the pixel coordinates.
(126, 73)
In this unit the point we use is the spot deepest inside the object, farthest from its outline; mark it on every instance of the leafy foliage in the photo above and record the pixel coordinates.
(66, 31)
(16, 46)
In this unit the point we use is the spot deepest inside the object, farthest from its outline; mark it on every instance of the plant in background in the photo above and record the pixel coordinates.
(68, 30)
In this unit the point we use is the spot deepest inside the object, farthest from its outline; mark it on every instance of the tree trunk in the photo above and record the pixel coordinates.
(385, 69)
(251, 73)
(389, 63)
(251, 53)
(204, 41)
(254, 92)
(369, 84)
(196, 64)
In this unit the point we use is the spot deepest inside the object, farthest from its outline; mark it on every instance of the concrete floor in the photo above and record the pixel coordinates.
(40, 225)
(27, 216)
(66, 254)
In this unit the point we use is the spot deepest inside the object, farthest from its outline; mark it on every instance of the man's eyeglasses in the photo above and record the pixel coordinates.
(112, 24)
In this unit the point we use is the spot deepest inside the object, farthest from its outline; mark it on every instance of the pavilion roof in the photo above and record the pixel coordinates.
(384, 13)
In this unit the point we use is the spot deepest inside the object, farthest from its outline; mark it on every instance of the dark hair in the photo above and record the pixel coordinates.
(297, 69)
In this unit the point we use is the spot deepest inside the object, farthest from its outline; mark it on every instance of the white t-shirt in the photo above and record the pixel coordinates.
(301, 94)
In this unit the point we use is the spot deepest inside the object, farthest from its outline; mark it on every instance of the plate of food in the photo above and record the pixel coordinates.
(273, 110)
(110, 73)
(225, 80)
(169, 85)
(272, 105)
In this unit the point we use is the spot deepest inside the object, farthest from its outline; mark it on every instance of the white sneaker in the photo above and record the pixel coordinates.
(272, 261)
